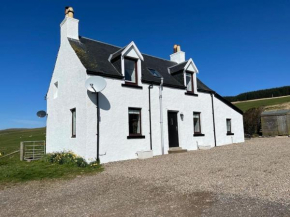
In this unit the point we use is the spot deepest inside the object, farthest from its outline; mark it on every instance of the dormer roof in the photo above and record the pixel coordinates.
(124, 50)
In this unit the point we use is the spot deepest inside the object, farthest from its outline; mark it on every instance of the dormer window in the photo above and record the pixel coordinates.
(189, 82)
(131, 75)
(129, 65)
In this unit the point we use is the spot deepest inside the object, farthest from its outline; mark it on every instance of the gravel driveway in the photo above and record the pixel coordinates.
(249, 179)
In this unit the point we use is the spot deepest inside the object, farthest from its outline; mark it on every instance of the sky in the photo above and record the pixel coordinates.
(237, 45)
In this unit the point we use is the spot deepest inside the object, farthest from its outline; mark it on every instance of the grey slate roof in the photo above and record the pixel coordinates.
(94, 56)
(276, 113)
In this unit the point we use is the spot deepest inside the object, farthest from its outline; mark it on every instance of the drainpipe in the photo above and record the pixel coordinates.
(150, 129)
(213, 119)
(161, 116)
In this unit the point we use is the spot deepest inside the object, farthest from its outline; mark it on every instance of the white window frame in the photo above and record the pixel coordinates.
(127, 52)
(191, 67)
(200, 123)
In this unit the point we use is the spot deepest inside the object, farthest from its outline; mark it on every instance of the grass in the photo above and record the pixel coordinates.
(12, 170)
(244, 106)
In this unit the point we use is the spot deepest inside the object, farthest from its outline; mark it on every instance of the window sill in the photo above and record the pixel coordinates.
(191, 94)
(132, 86)
(136, 137)
(230, 134)
(198, 134)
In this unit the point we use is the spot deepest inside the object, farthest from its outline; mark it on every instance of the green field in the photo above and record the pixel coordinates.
(13, 170)
(244, 106)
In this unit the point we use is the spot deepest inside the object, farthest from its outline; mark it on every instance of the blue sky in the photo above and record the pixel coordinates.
(237, 45)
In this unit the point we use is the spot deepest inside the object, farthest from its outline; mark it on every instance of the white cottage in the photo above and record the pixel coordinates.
(150, 105)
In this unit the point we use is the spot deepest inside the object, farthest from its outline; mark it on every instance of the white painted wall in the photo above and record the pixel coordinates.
(222, 112)
(70, 75)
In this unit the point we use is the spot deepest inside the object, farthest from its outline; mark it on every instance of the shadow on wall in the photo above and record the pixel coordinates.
(103, 101)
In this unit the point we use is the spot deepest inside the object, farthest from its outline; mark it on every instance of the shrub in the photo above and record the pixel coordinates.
(252, 121)
(68, 158)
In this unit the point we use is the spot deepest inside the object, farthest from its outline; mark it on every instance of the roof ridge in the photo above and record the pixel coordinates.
(100, 42)
(158, 58)
(125, 46)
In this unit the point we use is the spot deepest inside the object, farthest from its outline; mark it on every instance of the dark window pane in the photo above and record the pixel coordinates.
(229, 125)
(134, 121)
(130, 70)
(73, 122)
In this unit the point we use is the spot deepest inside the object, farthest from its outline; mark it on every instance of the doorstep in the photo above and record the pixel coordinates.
(176, 150)
(204, 147)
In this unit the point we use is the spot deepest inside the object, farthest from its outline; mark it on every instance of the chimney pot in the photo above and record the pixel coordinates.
(175, 48)
(69, 12)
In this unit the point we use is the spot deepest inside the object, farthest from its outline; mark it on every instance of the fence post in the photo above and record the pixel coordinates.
(21, 151)
(33, 158)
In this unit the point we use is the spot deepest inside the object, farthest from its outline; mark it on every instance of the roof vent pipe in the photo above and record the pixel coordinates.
(69, 12)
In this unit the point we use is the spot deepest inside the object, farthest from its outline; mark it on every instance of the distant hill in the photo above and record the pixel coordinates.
(260, 94)
(13, 129)
(276, 103)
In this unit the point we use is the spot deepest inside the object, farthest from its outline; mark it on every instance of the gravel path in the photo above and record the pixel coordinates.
(250, 179)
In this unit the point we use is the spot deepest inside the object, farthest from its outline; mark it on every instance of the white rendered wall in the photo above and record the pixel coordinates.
(114, 103)
(114, 144)
(222, 112)
(70, 75)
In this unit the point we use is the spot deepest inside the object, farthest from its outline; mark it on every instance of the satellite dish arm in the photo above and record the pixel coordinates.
(93, 88)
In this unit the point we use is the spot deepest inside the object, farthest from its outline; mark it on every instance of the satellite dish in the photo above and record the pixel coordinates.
(41, 114)
(96, 84)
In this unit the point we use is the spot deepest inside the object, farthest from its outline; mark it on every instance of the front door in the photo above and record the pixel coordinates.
(173, 129)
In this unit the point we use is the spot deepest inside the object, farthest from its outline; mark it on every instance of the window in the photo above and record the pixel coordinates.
(196, 123)
(154, 73)
(134, 121)
(229, 126)
(189, 82)
(73, 112)
(131, 71)
(55, 90)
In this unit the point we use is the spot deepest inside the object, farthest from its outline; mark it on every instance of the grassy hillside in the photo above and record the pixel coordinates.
(10, 139)
(13, 170)
(280, 103)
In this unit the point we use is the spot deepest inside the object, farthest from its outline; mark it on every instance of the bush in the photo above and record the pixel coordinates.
(252, 121)
(68, 158)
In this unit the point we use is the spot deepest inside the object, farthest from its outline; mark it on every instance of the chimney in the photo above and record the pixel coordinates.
(69, 26)
(178, 55)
